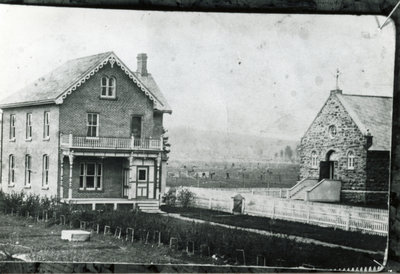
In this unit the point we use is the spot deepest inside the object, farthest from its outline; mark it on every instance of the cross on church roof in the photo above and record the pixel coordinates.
(337, 78)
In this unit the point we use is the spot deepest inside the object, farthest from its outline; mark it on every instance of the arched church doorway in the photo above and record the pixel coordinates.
(327, 167)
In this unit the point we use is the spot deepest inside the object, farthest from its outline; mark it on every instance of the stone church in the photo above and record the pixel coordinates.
(349, 144)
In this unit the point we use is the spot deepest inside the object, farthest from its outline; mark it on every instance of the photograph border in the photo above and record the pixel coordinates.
(315, 7)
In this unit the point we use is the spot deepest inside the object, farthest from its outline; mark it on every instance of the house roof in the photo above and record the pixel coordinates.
(372, 115)
(55, 86)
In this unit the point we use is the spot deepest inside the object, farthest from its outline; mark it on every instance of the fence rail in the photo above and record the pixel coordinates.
(72, 141)
(368, 220)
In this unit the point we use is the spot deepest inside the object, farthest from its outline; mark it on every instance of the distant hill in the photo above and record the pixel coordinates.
(190, 144)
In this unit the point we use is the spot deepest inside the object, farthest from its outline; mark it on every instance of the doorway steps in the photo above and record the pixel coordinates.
(149, 206)
(298, 191)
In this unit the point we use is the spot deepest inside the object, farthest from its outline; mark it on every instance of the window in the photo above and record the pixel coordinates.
(28, 170)
(12, 127)
(29, 126)
(142, 174)
(11, 169)
(92, 125)
(46, 125)
(136, 126)
(314, 159)
(45, 173)
(108, 87)
(350, 159)
(332, 131)
(90, 176)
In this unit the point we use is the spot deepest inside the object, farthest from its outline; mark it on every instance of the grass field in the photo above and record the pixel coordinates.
(40, 243)
(325, 234)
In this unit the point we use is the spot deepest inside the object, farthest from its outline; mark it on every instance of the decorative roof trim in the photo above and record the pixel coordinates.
(112, 59)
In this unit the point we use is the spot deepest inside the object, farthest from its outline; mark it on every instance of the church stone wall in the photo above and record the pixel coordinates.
(348, 137)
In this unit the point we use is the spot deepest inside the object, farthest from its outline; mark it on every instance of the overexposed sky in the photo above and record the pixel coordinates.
(250, 73)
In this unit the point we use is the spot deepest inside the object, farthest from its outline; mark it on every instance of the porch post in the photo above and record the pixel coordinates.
(71, 162)
(158, 177)
(62, 176)
(132, 174)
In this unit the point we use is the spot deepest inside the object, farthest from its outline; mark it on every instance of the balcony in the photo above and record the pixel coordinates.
(111, 143)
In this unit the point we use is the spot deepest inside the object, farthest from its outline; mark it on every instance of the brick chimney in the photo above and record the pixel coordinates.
(142, 64)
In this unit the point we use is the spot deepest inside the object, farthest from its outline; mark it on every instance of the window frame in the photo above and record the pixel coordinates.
(97, 178)
(91, 126)
(332, 134)
(146, 173)
(46, 125)
(314, 159)
(110, 85)
(12, 127)
(11, 170)
(28, 129)
(136, 116)
(351, 160)
(28, 170)
(45, 170)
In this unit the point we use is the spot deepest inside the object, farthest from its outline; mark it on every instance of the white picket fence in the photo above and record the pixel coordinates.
(368, 220)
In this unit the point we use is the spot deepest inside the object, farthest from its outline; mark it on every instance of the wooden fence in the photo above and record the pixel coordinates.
(368, 220)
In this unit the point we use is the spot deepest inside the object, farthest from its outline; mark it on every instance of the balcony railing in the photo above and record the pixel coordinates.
(72, 141)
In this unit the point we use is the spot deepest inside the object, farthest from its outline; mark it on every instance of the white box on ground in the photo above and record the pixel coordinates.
(75, 235)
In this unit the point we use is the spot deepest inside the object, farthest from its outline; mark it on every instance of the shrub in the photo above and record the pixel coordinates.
(170, 197)
(185, 197)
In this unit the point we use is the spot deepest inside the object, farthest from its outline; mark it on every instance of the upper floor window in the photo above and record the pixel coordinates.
(46, 125)
(350, 159)
(11, 169)
(108, 87)
(314, 159)
(90, 176)
(136, 126)
(29, 126)
(92, 125)
(28, 169)
(12, 126)
(45, 173)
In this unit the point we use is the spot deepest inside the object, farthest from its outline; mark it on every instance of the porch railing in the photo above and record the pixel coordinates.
(72, 141)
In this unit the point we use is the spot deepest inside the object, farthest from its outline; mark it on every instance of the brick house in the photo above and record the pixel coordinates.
(89, 132)
(347, 148)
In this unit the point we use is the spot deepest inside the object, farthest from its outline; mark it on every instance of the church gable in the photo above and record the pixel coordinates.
(333, 130)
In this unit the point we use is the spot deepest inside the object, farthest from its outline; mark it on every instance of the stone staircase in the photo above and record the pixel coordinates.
(149, 206)
(298, 191)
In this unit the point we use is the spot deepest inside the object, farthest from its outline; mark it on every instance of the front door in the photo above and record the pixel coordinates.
(142, 182)
(324, 170)
(125, 183)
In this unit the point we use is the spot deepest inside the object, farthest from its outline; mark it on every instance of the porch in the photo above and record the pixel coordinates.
(115, 143)
(117, 178)
(145, 205)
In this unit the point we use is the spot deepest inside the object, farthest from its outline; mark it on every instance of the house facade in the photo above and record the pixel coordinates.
(89, 132)
(349, 143)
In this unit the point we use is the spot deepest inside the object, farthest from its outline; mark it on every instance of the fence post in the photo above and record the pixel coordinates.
(280, 193)
(132, 142)
(273, 209)
(210, 203)
(308, 214)
(70, 140)
(348, 221)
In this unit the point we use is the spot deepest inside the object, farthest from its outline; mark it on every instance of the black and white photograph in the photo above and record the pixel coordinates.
(195, 138)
